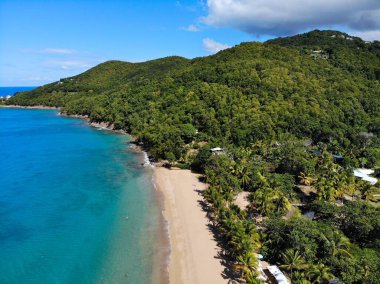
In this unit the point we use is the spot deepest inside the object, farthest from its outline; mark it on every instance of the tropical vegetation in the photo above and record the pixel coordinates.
(294, 117)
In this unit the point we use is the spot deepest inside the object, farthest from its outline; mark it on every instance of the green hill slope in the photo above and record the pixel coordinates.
(250, 92)
(342, 50)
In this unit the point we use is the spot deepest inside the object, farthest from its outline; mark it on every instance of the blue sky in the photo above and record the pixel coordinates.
(43, 41)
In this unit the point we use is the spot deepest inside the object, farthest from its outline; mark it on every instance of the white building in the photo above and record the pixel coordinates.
(278, 275)
(364, 174)
(217, 150)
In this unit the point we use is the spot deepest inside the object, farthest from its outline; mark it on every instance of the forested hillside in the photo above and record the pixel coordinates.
(342, 50)
(247, 93)
(294, 117)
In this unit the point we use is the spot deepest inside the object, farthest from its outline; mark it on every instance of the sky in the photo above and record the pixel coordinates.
(42, 41)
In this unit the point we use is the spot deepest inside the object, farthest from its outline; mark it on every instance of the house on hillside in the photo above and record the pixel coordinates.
(366, 134)
(217, 150)
(277, 274)
(364, 174)
(319, 54)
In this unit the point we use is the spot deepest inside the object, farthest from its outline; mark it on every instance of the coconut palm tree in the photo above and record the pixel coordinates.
(305, 179)
(282, 203)
(299, 277)
(363, 162)
(349, 184)
(340, 192)
(293, 260)
(263, 200)
(320, 274)
(326, 189)
(339, 245)
(246, 264)
(366, 190)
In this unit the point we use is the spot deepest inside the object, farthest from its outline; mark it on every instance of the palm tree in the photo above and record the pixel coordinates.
(320, 273)
(263, 200)
(252, 279)
(305, 179)
(346, 186)
(326, 189)
(241, 171)
(293, 260)
(366, 190)
(299, 277)
(340, 192)
(282, 203)
(246, 266)
(363, 162)
(245, 177)
(339, 245)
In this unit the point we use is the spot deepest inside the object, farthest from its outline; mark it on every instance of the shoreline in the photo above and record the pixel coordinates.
(186, 251)
(101, 125)
(160, 258)
(193, 250)
(162, 247)
(29, 107)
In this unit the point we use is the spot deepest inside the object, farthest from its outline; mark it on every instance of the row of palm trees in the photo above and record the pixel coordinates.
(240, 236)
(242, 239)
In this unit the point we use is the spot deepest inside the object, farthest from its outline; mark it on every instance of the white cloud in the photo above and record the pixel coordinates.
(63, 51)
(68, 64)
(58, 51)
(368, 35)
(213, 46)
(191, 28)
(282, 17)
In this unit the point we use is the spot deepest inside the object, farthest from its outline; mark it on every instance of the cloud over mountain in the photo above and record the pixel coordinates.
(279, 17)
(213, 46)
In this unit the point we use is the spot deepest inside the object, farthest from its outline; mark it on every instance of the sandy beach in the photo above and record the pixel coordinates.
(193, 248)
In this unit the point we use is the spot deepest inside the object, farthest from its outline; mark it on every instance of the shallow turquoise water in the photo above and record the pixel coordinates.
(65, 190)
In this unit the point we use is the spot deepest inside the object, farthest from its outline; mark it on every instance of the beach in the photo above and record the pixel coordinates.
(193, 256)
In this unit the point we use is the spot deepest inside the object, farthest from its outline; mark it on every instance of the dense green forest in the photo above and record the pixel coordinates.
(294, 116)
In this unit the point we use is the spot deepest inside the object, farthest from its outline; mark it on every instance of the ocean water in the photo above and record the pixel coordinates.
(5, 91)
(75, 205)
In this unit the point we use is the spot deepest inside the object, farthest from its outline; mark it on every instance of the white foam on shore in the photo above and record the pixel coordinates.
(146, 160)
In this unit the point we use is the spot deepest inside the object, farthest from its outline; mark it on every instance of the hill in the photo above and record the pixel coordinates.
(250, 92)
(342, 50)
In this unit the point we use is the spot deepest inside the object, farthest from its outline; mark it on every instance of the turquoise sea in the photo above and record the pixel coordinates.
(76, 206)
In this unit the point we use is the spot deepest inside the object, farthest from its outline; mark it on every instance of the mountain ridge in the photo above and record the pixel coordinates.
(281, 90)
